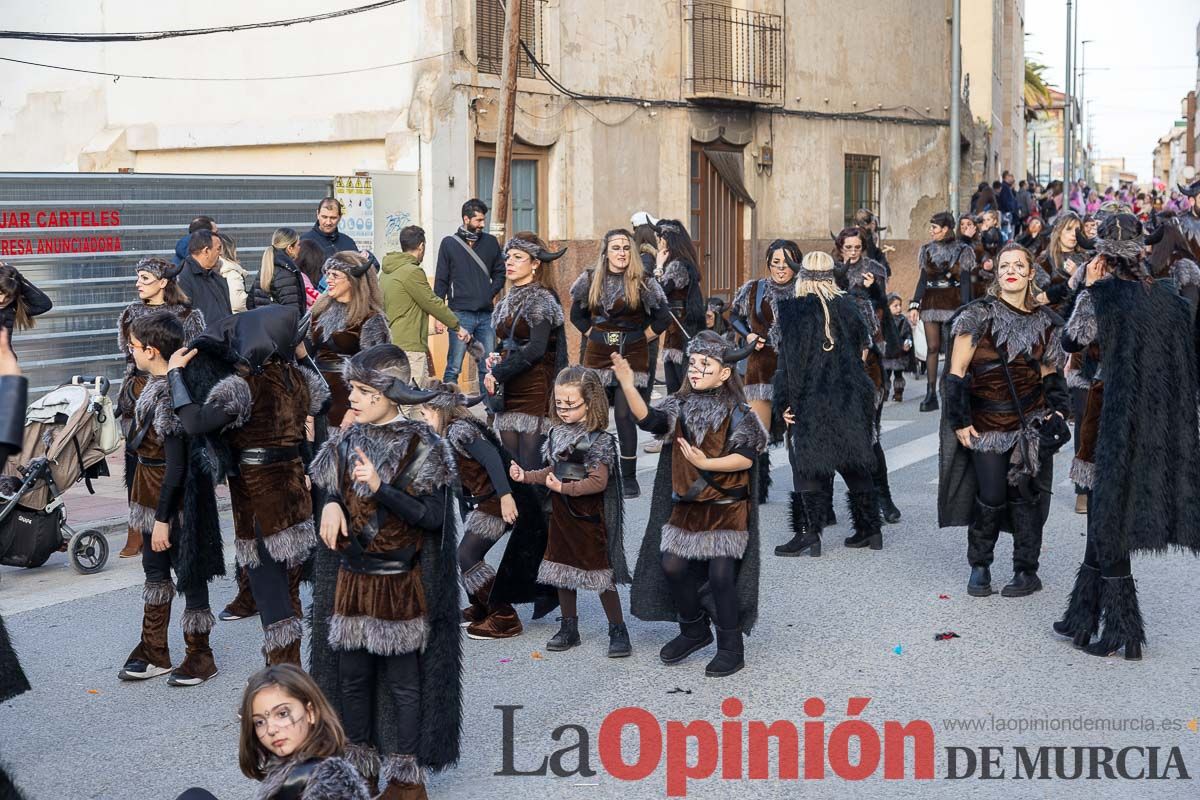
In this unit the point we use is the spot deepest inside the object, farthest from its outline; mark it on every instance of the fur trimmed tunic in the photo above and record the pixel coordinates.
(528, 322)
(615, 327)
(676, 280)
(755, 310)
(481, 489)
(328, 779)
(335, 340)
(192, 320)
(943, 283)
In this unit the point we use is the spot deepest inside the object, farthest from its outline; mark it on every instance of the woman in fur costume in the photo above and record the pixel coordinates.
(393, 621)
(585, 548)
(677, 270)
(754, 315)
(943, 284)
(256, 400)
(532, 347)
(1004, 343)
(1064, 255)
(827, 399)
(699, 556)
(613, 314)
(157, 291)
(1140, 455)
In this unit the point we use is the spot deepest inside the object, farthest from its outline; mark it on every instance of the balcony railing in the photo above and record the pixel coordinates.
(735, 54)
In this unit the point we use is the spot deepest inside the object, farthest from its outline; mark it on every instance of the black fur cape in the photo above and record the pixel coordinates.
(1147, 489)
(12, 678)
(830, 393)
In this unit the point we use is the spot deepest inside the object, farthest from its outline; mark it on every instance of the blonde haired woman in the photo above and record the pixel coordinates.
(828, 403)
(278, 274)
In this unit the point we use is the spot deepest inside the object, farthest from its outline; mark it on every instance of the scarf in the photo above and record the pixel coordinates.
(468, 235)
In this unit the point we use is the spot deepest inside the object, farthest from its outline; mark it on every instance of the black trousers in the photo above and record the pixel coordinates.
(1078, 405)
(357, 670)
(991, 474)
(1115, 568)
(270, 586)
(157, 567)
(687, 576)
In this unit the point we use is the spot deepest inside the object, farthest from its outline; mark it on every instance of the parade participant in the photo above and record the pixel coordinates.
(528, 322)
(1141, 456)
(678, 272)
(942, 286)
(827, 400)
(866, 281)
(714, 318)
(20, 300)
(157, 290)
(14, 389)
(754, 315)
(898, 357)
(613, 313)
(386, 641)
(1171, 259)
(1063, 256)
(174, 508)
(969, 234)
(1035, 239)
(256, 401)
(347, 319)
(585, 549)
(1003, 388)
(1189, 218)
(699, 558)
(868, 226)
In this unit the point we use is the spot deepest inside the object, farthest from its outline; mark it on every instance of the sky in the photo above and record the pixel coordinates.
(1139, 65)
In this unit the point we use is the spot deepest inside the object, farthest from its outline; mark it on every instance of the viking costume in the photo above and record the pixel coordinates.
(585, 548)
(1054, 279)
(822, 380)
(313, 779)
(699, 557)
(898, 358)
(1004, 475)
(943, 284)
(987, 247)
(255, 417)
(680, 281)
(616, 327)
(1140, 432)
(166, 487)
(1189, 221)
(529, 328)
(386, 646)
(1170, 259)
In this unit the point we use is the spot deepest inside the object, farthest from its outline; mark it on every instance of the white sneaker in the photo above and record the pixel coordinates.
(140, 671)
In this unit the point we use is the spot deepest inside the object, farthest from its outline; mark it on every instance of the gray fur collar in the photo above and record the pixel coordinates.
(612, 290)
(386, 446)
(333, 777)
(232, 395)
(855, 272)
(460, 433)
(318, 390)
(562, 439)
(374, 328)
(534, 303)
(703, 412)
(156, 399)
(1186, 273)
(191, 319)
(1082, 325)
(943, 255)
(651, 296)
(1018, 333)
(677, 273)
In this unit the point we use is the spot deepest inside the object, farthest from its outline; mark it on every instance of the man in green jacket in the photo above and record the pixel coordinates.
(408, 301)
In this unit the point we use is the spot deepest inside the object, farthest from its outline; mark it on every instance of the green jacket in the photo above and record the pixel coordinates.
(408, 300)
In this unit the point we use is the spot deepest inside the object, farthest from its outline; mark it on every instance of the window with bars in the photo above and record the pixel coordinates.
(489, 36)
(735, 53)
(862, 186)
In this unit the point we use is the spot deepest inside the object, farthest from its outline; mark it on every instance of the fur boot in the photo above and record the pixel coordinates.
(1123, 627)
(867, 521)
(1081, 620)
(764, 476)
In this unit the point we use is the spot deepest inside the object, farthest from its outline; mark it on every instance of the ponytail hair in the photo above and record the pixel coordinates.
(282, 239)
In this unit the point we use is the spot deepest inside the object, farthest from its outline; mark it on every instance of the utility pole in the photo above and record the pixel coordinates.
(1085, 120)
(1069, 74)
(504, 130)
(955, 100)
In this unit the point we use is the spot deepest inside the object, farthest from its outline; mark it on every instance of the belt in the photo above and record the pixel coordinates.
(616, 338)
(329, 364)
(720, 501)
(475, 500)
(945, 283)
(261, 456)
(1006, 405)
(389, 562)
(151, 462)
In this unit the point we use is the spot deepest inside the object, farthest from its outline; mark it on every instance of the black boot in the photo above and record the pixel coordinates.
(891, 514)
(629, 484)
(730, 656)
(981, 543)
(930, 403)
(868, 523)
(567, 636)
(764, 476)
(1081, 620)
(1123, 626)
(618, 640)
(693, 635)
(1027, 546)
(807, 536)
(830, 514)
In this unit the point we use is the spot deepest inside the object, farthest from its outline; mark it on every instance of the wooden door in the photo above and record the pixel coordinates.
(716, 218)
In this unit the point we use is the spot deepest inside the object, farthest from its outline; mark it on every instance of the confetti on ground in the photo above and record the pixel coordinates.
(898, 649)
(677, 690)
(943, 637)
(536, 656)
(943, 597)
(93, 691)
(505, 660)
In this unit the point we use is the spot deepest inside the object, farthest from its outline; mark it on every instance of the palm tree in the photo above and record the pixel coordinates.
(1037, 93)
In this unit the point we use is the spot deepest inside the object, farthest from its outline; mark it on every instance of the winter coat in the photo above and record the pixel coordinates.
(408, 302)
(287, 287)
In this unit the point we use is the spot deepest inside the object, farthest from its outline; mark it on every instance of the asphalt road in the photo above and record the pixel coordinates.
(852, 623)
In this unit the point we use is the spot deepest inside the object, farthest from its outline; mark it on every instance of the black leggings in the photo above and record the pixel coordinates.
(991, 475)
(686, 576)
(402, 676)
(525, 448)
(933, 348)
(272, 588)
(472, 549)
(674, 374)
(1118, 568)
(157, 567)
(1078, 406)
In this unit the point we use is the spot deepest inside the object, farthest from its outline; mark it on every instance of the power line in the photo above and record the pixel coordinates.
(150, 36)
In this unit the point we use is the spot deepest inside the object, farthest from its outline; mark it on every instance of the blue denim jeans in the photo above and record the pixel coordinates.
(479, 325)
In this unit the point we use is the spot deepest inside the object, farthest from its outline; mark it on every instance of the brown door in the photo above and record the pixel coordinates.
(716, 226)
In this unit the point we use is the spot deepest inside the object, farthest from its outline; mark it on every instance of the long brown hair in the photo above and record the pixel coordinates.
(544, 274)
(632, 276)
(10, 285)
(326, 739)
(365, 299)
(591, 389)
(446, 414)
(1055, 249)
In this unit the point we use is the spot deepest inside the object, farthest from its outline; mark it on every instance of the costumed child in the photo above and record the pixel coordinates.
(898, 357)
(386, 641)
(699, 558)
(585, 549)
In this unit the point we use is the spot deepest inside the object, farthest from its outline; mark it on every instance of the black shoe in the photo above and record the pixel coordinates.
(1082, 618)
(693, 635)
(567, 636)
(138, 670)
(980, 584)
(867, 521)
(807, 537)
(1123, 627)
(730, 657)
(802, 544)
(618, 640)
(1022, 584)
(229, 616)
(891, 514)
(629, 484)
(181, 678)
(930, 403)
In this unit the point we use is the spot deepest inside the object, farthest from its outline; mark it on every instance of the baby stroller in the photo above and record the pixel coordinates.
(67, 435)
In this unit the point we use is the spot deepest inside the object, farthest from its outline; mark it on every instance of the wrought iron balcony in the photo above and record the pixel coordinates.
(735, 54)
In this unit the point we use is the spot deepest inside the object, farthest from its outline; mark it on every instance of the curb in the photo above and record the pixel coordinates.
(113, 526)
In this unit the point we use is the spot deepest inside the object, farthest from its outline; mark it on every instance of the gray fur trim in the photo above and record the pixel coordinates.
(749, 433)
(401, 769)
(477, 577)
(533, 303)
(1076, 279)
(292, 545)
(280, 634)
(701, 545)
(336, 779)
(1186, 273)
(375, 331)
(937, 314)
(155, 400)
(232, 395)
(703, 412)
(197, 620)
(995, 441)
(1083, 473)
(564, 576)
(670, 354)
(561, 438)
(1053, 353)
(484, 525)
(856, 272)
(191, 319)
(1082, 327)
(364, 758)
(1076, 380)
(677, 272)
(895, 364)
(519, 423)
(246, 552)
(1018, 333)
(379, 380)
(944, 254)
(640, 379)
(378, 636)
(318, 390)
(386, 446)
(334, 318)
(141, 518)
(582, 287)
(158, 593)
(460, 433)
(741, 298)
(653, 296)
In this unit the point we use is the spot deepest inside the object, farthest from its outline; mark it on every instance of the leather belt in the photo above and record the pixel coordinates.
(329, 364)
(1006, 405)
(942, 283)
(616, 338)
(388, 562)
(262, 456)
(720, 501)
(151, 462)
(475, 500)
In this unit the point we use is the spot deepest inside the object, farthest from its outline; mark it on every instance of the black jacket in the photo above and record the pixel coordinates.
(207, 291)
(287, 287)
(330, 244)
(459, 280)
(36, 302)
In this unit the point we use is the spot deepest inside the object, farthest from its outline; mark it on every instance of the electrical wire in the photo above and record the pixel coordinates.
(150, 36)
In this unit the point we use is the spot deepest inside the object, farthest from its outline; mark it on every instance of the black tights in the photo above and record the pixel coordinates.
(471, 550)
(1118, 568)
(525, 448)
(610, 601)
(933, 347)
(687, 576)
(626, 427)
(991, 473)
(402, 676)
(1078, 407)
